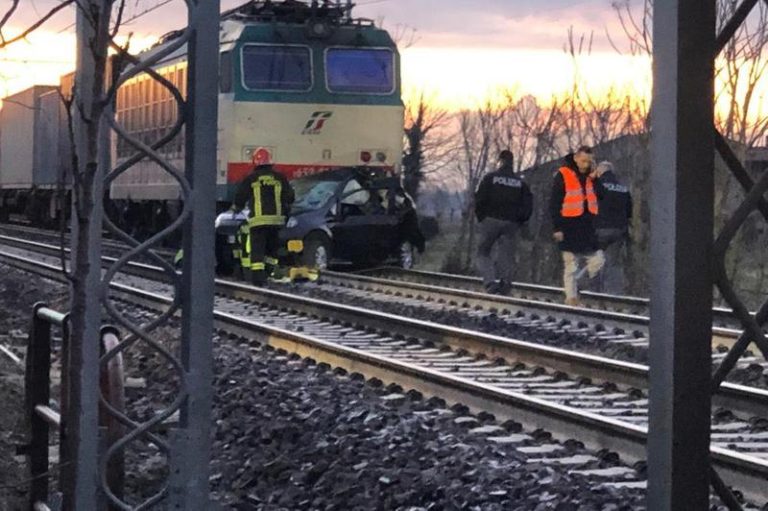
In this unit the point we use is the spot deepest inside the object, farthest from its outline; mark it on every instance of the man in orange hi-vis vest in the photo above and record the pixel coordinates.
(573, 207)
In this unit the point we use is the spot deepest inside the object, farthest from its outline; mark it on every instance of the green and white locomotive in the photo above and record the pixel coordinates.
(302, 85)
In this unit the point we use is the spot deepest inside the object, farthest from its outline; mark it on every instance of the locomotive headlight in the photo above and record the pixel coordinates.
(318, 29)
(381, 157)
(292, 222)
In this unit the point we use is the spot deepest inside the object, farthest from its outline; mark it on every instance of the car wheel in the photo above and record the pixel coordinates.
(406, 256)
(317, 251)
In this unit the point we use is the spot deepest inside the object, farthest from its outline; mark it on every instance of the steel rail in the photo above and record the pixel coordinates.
(471, 298)
(738, 398)
(620, 308)
(623, 320)
(745, 472)
(619, 303)
(36, 231)
(11, 356)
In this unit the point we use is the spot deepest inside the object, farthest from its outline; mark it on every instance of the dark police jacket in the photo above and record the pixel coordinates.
(615, 203)
(503, 195)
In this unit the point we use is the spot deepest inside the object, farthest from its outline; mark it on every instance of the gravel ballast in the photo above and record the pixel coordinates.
(293, 434)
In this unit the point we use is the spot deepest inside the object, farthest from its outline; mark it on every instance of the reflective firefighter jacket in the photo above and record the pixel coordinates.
(268, 195)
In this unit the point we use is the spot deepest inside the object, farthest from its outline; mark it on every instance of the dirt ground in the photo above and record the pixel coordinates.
(18, 293)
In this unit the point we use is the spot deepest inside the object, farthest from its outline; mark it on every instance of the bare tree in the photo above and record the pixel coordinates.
(85, 158)
(8, 16)
(739, 69)
(637, 27)
(405, 36)
(478, 133)
(529, 129)
(87, 106)
(593, 119)
(427, 141)
(610, 115)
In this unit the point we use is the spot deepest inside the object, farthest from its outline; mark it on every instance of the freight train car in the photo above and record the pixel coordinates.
(34, 155)
(303, 86)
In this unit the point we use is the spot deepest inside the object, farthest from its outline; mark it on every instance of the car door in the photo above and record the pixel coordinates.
(384, 222)
(352, 235)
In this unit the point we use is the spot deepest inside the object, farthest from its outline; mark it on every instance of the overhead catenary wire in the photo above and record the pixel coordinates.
(129, 20)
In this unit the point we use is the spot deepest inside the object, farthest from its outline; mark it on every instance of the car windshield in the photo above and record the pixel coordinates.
(312, 194)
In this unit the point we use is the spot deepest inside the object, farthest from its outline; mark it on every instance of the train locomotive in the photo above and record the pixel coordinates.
(304, 86)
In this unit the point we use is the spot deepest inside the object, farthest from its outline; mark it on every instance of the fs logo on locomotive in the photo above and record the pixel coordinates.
(316, 123)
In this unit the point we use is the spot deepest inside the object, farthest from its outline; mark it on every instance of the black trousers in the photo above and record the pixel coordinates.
(264, 244)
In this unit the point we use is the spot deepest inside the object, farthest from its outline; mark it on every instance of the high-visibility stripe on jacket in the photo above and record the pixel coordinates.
(245, 243)
(267, 202)
(575, 196)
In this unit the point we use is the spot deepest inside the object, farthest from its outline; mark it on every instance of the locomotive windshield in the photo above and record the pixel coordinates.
(360, 71)
(277, 68)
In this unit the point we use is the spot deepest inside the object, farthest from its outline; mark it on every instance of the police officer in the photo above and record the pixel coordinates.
(503, 202)
(573, 207)
(269, 197)
(612, 226)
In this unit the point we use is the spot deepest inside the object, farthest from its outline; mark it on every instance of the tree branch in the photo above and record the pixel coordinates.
(23, 35)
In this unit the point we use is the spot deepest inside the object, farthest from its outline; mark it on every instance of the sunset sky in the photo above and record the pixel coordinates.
(462, 51)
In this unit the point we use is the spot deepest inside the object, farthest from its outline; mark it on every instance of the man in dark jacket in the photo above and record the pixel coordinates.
(269, 197)
(612, 225)
(573, 206)
(503, 202)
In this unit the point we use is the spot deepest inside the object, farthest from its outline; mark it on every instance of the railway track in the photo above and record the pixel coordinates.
(597, 401)
(17, 229)
(631, 305)
(607, 327)
(536, 307)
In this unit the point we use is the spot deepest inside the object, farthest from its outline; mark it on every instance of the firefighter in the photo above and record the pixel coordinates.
(573, 207)
(269, 197)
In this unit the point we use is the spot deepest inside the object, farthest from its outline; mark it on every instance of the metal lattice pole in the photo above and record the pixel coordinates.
(682, 183)
(187, 447)
(677, 461)
(754, 201)
(190, 465)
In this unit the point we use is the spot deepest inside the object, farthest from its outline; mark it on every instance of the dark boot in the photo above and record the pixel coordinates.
(259, 277)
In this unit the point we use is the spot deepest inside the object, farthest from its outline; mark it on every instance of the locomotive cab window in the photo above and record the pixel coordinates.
(276, 68)
(360, 71)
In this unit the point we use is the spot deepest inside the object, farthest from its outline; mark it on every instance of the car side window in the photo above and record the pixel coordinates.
(354, 194)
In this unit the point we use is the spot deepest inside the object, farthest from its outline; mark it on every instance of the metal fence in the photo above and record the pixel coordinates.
(43, 415)
(754, 201)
